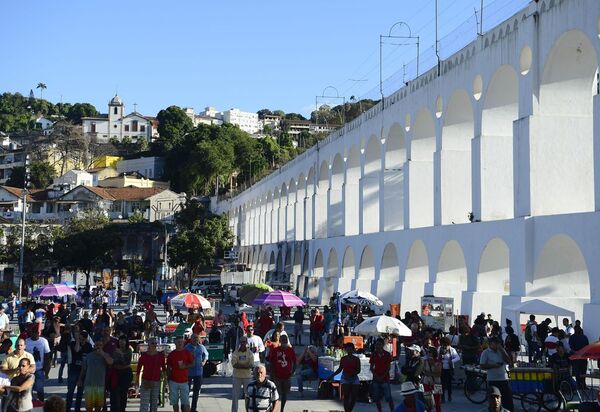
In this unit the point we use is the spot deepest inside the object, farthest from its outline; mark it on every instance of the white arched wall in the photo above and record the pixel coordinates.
(290, 212)
(316, 277)
(297, 271)
(366, 270)
(303, 287)
(348, 274)
(335, 216)
(451, 277)
(300, 207)
(412, 285)
(352, 193)
(282, 217)
(370, 186)
(562, 169)
(309, 204)
(321, 201)
(420, 170)
(389, 275)
(331, 277)
(455, 160)
(561, 275)
(393, 179)
(493, 279)
(500, 110)
(269, 218)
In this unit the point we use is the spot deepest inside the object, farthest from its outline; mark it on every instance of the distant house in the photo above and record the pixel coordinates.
(74, 178)
(101, 173)
(122, 202)
(133, 179)
(152, 167)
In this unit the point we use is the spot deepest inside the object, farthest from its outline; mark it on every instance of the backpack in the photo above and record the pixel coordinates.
(528, 334)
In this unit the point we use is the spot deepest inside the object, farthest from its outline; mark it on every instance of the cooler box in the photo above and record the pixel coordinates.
(327, 365)
(530, 380)
(356, 340)
(216, 352)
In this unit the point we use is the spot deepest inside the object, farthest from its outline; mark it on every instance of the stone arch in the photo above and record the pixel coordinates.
(300, 202)
(422, 147)
(390, 266)
(275, 216)
(560, 271)
(370, 186)
(451, 276)
(455, 180)
(317, 275)
(335, 214)
(308, 208)
(393, 179)
(330, 275)
(283, 209)
(562, 178)
(366, 269)
(268, 217)
(287, 265)
(291, 211)
(352, 192)
(303, 282)
(321, 201)
(415, 276)
(500, 110)
(348, 264)
(318, 266)
(493, 278)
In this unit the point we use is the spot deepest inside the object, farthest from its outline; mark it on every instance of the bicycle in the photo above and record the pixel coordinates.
(476, 385)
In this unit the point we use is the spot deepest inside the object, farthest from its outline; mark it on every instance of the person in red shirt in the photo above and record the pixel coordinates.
(265, 323)
(150, 366)
(317, 325)
(380, 366)
(283, 364)
(178, 363)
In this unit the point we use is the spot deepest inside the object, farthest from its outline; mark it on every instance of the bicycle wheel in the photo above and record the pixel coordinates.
(551, 402)
(566, 388)
(531, 402)
(476, 389)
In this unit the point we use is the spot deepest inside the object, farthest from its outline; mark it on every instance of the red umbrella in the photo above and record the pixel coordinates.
(190, 301)
(591, 351)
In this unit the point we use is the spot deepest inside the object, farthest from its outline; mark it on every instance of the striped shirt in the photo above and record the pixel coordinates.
(261, 397)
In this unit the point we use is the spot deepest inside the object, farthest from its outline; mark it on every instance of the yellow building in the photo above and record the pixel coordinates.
(106, 161)
(133, 179)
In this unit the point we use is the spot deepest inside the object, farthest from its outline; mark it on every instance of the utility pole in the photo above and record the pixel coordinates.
(26, 178)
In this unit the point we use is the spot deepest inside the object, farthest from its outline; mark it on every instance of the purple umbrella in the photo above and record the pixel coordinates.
(278, 298)
(52, 289)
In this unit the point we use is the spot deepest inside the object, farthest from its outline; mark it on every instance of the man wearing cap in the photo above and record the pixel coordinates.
(494, 401)
(410, 403)
(413, 369)
(494, 360)
(242, 361)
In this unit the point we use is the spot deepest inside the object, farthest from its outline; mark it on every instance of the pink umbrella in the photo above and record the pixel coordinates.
(278, 298)
(52, 289)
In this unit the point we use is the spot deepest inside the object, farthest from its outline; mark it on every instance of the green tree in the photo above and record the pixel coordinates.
(136, 217)
(79, 110)
(41, 175)
(173, 124)
(42, 87)
(87, 243)
(201, 237)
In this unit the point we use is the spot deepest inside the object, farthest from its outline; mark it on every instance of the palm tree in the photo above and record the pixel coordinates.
(41, 86)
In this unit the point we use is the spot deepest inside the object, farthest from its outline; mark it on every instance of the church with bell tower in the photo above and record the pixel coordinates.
(117, 126)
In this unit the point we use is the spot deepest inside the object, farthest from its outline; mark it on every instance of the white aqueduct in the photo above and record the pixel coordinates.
(508, 130)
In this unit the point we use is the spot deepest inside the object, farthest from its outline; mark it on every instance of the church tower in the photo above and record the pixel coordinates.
(115, 118)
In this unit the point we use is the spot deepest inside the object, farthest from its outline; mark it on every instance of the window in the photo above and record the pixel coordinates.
(126, 127)
(134, 126)
(115, 207)
(36, 208)
(115, 111)
(142, 128)
(93, 127)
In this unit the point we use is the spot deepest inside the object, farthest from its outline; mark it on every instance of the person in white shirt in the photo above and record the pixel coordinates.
(567, 327)
(255, 344)
(448, 356)
(551, 342)
(39, 348)
(4, 381)
(4, 321)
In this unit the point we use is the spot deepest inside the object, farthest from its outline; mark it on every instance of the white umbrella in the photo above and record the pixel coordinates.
(378, 325)
(360, 297)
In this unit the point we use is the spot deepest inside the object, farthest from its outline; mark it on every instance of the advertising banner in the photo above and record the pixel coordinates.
(437, 313)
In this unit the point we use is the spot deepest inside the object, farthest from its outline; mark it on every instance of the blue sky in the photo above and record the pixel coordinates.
(194, 53)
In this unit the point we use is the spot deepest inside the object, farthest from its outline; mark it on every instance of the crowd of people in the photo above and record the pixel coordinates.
(94, 349)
